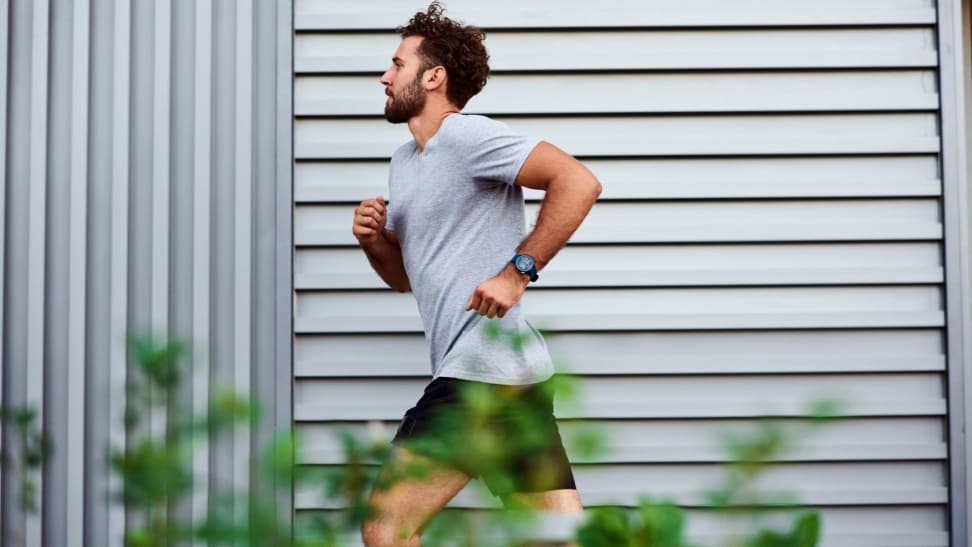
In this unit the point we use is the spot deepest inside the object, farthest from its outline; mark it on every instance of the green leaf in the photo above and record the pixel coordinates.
(806, 531)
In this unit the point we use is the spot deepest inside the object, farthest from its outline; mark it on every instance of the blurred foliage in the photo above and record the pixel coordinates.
(157, 471)
(25, 450)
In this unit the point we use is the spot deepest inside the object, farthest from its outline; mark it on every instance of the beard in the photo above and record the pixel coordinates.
(406, 104)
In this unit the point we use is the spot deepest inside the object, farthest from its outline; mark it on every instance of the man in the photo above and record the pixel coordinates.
(453, 234)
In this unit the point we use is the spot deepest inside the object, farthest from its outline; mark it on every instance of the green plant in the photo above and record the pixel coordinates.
(24, 455)
(157, 473)
(156, 466)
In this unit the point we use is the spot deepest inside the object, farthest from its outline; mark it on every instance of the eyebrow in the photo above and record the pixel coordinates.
(397, 59)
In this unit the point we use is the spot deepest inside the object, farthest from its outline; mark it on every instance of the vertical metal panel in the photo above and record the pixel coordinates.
(243, 230)
(123, 168)
(160, 179)
(37, 234)
(98, 391)
(201, 270)
(223, 180)
(282, 227)
(141, 210)
(181, 229)
(118, 261)
(958, 262)
(75, 530)
(15, 259)
(4, 52)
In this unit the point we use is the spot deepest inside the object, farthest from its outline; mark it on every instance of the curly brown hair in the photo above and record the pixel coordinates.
(456, 47)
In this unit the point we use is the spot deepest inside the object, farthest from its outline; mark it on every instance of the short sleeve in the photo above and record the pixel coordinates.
(496, 152)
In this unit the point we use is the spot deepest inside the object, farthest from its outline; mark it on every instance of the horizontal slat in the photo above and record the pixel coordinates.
(858, 520)
(647, 93)
(860, 526)
(675, 301)
(700, 441)
(717, 221)
(596, 363)
(666, 178)
(337, 15)
(673, 265)
(654, 397)
(755, 390)
(594, 495)
(724, 135)
(816, 484)
(629, 277)
(645, 50)
(662, 309)
(876, 539)
(704, 233)
(729, 352)
(649, 321)
(827, 539)
(323, 411)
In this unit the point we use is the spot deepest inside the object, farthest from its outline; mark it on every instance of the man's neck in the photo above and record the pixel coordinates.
(426, 125)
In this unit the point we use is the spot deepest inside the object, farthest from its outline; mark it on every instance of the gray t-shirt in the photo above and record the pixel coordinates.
(459, 217)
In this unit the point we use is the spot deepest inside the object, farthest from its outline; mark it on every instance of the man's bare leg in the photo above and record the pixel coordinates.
(552, 501)
(404, 504)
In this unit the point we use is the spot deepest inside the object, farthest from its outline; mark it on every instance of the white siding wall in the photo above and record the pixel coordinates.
(770, 232)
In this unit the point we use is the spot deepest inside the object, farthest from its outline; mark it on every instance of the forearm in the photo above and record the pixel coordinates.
(568, 199)
(386, 259)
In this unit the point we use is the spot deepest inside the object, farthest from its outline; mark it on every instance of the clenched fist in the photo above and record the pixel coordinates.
(495, 296)
(369, 220)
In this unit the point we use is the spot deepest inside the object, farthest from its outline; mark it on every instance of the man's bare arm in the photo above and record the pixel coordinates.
(380, 245)
(570, 192)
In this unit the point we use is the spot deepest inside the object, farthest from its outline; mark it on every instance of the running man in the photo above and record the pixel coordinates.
(453, 233)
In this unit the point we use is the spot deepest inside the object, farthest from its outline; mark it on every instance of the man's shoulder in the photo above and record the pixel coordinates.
(478, 121)
(473, 130)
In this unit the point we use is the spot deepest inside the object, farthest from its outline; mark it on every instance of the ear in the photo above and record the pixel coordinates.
(435, 77)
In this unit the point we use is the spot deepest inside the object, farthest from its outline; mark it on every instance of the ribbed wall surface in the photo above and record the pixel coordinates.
(770, 232)
(145, 179)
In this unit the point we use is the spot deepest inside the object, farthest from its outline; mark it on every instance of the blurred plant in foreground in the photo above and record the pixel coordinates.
(23, 457)
(157, 472)
(737, 498)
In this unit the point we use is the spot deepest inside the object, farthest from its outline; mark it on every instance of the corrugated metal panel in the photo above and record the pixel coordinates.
(769, 232)
(146, 186)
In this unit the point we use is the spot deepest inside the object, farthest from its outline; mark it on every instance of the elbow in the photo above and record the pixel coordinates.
(595, 189)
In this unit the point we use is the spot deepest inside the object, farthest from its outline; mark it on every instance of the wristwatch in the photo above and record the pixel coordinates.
(525, 265)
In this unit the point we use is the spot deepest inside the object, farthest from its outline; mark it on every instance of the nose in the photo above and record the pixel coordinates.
(385, 79)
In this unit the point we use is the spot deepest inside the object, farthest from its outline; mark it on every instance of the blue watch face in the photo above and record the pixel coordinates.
(524, 263)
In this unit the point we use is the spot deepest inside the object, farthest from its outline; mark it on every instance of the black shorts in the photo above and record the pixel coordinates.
(505, 434)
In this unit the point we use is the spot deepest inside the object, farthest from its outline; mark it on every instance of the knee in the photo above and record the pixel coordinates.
(382, 533)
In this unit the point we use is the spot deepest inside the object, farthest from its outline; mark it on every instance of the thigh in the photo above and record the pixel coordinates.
(411, 489)
(553, 501)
